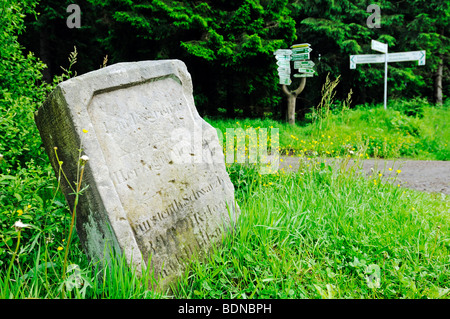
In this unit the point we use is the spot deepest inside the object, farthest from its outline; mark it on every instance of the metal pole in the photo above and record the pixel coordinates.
(385, 78)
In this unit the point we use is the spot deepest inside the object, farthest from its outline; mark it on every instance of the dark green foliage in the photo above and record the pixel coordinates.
(27, 182)
(228, 46)
(414, 107)
(21, 91)
(337, 29)
(49, 37)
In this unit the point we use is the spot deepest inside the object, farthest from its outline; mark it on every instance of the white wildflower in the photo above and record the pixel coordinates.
(18, 225)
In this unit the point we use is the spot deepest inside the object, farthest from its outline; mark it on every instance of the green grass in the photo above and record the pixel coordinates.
(317, 233)
(84, 280)
(385, 134)
(322, 233)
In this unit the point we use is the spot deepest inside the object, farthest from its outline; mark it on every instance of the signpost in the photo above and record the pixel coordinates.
(285, 81)
(386, 58)
(283, 52)
(301, 50)
(379, 46)
(303, 64)
(382, 47)
(300, 56)
(284, 64)
(299, 53)
(306, 71)
(408, 56)
(284, 70)
(301, 45)
(283, 57)
(365, 58)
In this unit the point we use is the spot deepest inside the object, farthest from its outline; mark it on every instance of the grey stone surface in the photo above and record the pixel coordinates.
(157, 184)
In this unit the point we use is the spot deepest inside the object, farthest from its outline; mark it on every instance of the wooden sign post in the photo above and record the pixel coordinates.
(299, 53)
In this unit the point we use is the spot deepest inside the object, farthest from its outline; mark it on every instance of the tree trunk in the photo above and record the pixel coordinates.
(438, 81)
(291, 108)
(292, 98)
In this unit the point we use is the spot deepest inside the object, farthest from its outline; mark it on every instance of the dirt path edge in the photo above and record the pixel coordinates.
(426, 176)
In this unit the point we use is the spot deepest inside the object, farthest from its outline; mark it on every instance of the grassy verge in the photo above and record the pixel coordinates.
(318, 233)
(386, 134)
(323, 233)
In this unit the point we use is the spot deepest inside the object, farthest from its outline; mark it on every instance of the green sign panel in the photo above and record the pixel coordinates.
(302, 56)
(306, 70)
(285, 80)
(304, 64)
(301, 50)
(299, 53)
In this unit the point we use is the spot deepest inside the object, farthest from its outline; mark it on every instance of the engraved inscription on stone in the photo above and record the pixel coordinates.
(156, 167)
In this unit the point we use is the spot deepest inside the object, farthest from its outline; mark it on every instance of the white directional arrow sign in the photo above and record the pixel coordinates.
(285, 80)
(283, 57)
(303, 75)
(284, 73)
(365, 58)
(306, 70)
(391, 57)
(284, 69)
(301, 50)
(385, 58)
(380, 47)
(298, 53)
(284, 63)
(303, 64)
(408, 56)
(283, 52)
(300, 56)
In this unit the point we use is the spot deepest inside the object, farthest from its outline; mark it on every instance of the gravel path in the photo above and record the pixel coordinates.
(427, 176)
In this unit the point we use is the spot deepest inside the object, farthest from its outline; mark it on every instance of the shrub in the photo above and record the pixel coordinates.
(22, 91)
(414, 107)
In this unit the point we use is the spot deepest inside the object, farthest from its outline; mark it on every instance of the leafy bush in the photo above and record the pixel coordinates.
(403, 123)
(26, 178)
(414, 107)
(21, 92)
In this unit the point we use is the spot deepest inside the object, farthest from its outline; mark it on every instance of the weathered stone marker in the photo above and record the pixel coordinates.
(157, 184)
